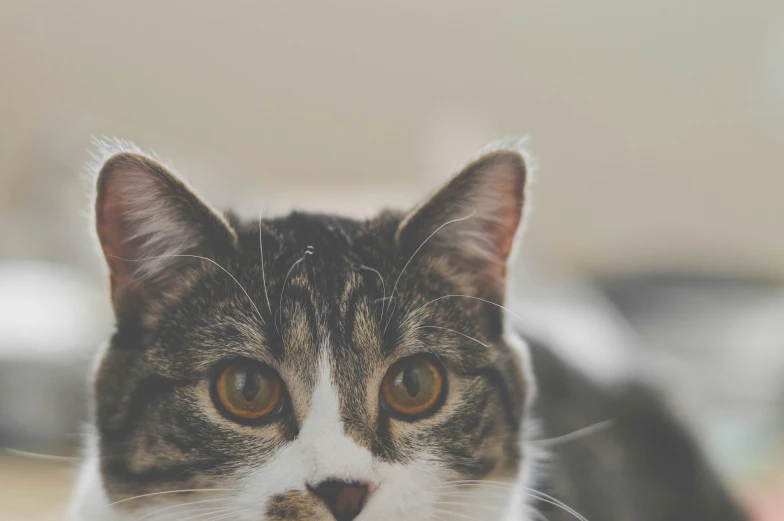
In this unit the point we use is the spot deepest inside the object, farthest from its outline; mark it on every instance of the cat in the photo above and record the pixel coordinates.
(318, 368)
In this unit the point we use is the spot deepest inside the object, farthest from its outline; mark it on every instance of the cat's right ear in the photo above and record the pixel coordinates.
(147, 219)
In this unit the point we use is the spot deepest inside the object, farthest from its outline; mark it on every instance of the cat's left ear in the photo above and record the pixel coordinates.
(471, 223)
(147, 219)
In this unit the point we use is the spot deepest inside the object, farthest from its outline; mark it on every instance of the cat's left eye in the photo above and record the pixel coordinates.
(248, 391)
(414, 387)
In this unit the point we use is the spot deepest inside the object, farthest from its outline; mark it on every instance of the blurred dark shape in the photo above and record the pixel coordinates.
(719, 345)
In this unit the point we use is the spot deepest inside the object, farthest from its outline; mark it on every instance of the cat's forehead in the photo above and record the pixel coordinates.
(294, 288)
(334, 237)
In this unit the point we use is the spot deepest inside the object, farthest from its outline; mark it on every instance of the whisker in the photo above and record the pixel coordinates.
(220, 513)
(45, 457)
(453, 331)
(451, 513)
(417, 251)
(477, 482)
(459, 493)
(392, 307)
(495, 508)
(217, 324)
(167, 492)
(261, 254)
(576, 435)
(541, 496)
(383, 289)
(539, 515)
(208, 510)
(202, 258)
(556, 500)
(515, 315)
(224, 516)
(491, 492)
(149, 515)
(283, 287)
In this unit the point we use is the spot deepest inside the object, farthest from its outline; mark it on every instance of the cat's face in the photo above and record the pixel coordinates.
(308, 367)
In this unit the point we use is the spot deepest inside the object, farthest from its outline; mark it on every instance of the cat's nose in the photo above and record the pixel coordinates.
(345, 500)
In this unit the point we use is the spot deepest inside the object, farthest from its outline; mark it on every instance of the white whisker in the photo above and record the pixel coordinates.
(495, 508)
(515, 315)
(451, 513)
(35, 455)
(453, 331)
(167, 492)
(202, 258)
(261, 254)
(224, 516)
(149, 515)
(206, 510)
(539, 515)
(213, 515)
(392, 302)
(477, 482)
(576, 435)
(541, 496)
(283, 287)
(383, 289)
(414, 255)
(461, 491)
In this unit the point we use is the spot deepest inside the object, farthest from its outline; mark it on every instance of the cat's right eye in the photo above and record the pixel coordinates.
(248, 391)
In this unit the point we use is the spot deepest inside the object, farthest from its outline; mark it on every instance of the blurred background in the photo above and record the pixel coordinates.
(655, 247)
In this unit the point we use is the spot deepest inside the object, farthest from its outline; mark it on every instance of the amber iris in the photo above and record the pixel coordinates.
(413, 387)
(249, 390)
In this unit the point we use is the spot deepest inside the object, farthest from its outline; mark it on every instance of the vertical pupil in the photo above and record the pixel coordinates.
(411, 380)
(250, 384)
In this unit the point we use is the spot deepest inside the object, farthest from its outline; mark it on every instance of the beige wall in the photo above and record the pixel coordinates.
(659, 126)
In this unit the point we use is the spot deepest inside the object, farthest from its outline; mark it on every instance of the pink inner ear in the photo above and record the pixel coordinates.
(134, 209)
(491, 191)
(495, 195)
(130, 202)
(145, 217)
(510, 211)
(109, 211)
(111, 229)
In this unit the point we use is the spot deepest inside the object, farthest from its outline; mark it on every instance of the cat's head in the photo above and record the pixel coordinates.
(308, 367)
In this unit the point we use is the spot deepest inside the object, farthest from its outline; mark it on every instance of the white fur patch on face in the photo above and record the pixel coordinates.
(332, 454)
(322, 451)
(416, 491)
